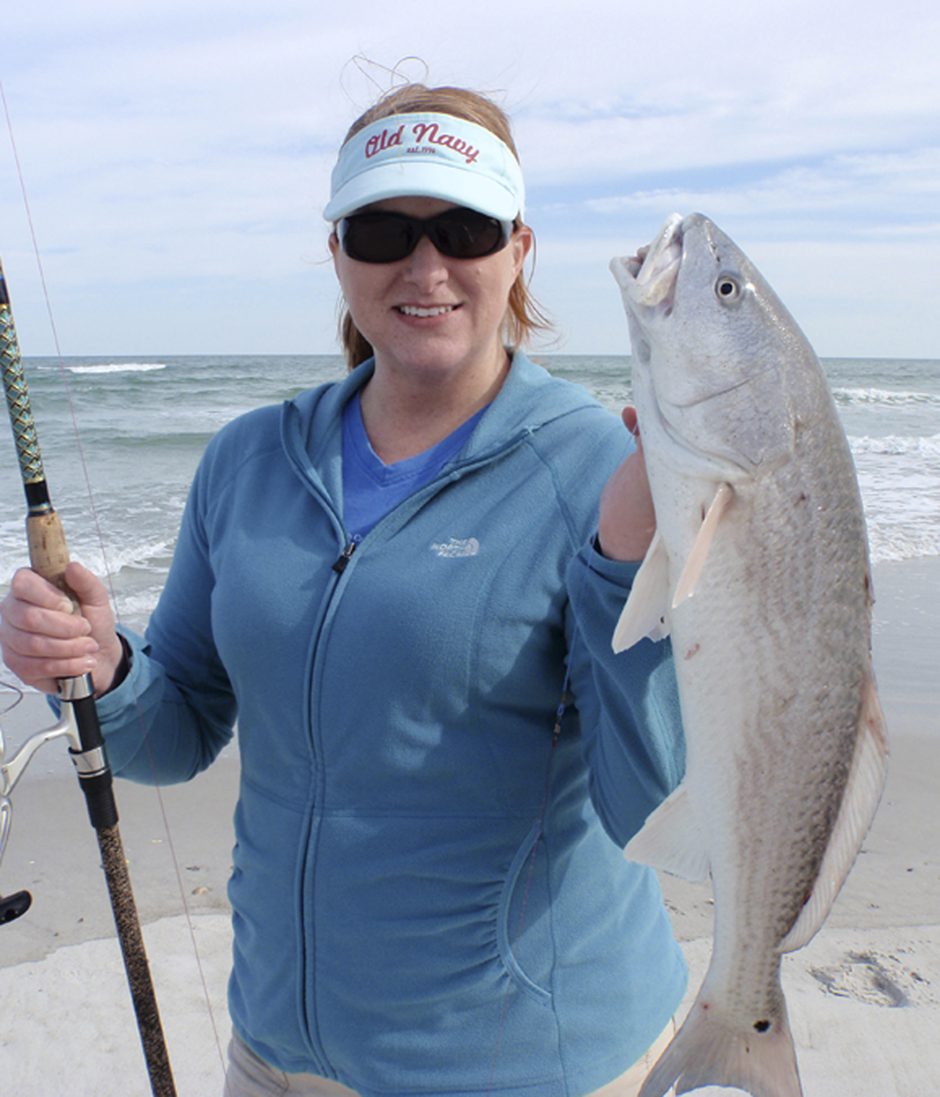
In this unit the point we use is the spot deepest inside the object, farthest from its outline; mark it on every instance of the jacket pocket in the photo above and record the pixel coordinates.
(523, 924)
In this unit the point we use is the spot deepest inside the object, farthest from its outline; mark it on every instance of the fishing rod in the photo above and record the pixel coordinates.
(48, 555)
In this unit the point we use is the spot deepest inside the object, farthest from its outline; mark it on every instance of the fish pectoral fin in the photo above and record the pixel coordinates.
(644, 614)
(671, 839)
(859, 802)
(695, 563)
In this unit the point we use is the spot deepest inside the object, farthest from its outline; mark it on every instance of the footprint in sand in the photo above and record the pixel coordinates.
(876, 978)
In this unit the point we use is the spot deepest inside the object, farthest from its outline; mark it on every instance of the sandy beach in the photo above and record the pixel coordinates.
(864, 996)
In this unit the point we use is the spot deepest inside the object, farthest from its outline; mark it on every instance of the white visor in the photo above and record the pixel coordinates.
(429, 156)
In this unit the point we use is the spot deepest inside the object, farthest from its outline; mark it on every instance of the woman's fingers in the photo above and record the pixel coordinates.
(42, 637)
(34, 605)
(627, 520)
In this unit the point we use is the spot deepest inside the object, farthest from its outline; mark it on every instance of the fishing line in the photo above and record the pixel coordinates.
(60, 368)
(63, 375)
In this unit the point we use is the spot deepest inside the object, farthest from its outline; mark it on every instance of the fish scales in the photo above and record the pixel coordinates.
(739, 654)
(760, 575)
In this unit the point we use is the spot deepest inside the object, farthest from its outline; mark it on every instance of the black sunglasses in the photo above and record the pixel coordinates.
(381, 236)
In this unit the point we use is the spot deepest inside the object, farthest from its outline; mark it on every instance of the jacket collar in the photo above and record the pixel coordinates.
(530, 397)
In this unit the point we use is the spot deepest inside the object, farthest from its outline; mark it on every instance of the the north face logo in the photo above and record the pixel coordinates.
(457, 546)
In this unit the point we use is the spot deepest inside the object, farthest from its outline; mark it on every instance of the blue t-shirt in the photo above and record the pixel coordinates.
(370, 487)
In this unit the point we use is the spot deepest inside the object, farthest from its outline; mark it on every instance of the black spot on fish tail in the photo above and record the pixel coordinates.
(761, 1026)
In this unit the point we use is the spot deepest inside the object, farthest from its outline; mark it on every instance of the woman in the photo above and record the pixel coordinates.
(393, 581)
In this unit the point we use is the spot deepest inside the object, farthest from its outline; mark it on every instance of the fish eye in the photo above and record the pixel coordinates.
(727, 288)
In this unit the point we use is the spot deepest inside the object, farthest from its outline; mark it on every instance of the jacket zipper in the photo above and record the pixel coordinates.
(310, 1017)
(339, 567)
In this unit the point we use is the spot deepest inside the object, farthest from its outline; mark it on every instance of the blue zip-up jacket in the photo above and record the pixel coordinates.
(424, 898)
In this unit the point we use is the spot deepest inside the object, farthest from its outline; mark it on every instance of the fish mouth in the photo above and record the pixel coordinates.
(648, 279)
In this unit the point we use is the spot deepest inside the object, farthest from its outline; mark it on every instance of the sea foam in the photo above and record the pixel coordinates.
(118, 367)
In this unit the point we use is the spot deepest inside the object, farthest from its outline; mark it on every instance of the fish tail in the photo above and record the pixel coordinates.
(709, 1051)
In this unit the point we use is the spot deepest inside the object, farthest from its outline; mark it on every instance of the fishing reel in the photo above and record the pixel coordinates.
(12, 906)
(15, 905)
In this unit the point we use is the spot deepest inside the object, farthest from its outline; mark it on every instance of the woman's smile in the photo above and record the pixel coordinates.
(426, 312)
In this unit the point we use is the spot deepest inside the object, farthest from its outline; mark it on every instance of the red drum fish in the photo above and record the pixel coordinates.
(759, 573)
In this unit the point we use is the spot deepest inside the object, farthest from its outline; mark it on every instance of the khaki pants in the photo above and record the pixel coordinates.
(249, 1076)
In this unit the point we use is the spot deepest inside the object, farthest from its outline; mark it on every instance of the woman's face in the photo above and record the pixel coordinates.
(428, 313)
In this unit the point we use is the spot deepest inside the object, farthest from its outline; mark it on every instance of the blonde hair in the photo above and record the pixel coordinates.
(524, 316)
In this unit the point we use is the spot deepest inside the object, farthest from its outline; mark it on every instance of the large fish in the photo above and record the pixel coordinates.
(759, 572)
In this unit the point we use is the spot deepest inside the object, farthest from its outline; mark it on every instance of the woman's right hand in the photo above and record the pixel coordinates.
(43, 639)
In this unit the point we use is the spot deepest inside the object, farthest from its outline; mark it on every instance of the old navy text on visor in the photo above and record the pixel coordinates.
(428, 156)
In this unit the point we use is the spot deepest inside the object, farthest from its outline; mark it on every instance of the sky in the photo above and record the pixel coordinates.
(176, 157)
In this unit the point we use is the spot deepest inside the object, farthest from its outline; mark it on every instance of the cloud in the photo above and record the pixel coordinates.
(840, 195)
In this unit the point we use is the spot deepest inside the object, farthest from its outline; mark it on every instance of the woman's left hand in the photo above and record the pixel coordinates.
(627, 519)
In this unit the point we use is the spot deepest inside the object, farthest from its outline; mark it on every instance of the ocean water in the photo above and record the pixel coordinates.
(121, 439)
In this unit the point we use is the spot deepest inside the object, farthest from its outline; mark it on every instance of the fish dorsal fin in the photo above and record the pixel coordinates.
(645, 611)
(859, 803)
(695, 563)
(671, 839)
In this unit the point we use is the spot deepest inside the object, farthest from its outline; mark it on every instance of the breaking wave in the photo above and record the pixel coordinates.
(886, 397)
(887, 542)
(898, 445)
(118, 367)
